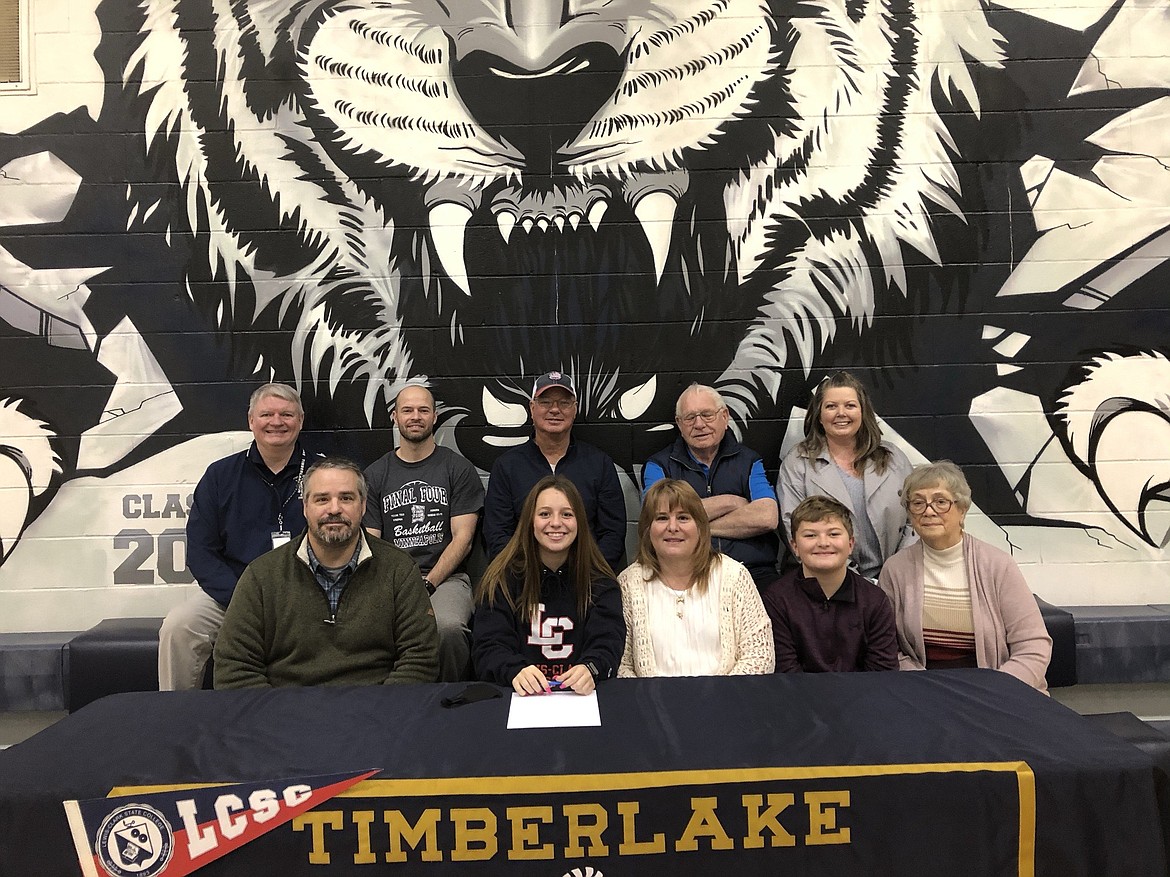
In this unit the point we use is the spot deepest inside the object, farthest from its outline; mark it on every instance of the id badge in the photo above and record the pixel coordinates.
(281, 537)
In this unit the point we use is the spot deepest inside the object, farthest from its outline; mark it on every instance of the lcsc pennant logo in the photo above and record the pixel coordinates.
(135, 840)
(171, 831)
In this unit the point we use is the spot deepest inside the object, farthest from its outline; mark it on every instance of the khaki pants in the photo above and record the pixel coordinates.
(185, 642)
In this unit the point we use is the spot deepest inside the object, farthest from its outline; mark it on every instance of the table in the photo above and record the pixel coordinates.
(957, 772)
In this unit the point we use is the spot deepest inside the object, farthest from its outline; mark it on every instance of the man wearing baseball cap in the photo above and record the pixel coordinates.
(552, 449)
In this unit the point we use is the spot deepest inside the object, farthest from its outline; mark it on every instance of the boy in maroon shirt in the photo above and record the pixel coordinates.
(826, 617)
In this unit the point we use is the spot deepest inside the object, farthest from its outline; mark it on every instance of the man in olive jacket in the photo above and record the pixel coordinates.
(332, 607)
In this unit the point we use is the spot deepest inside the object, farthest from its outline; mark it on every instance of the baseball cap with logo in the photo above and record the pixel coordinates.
(553, 379)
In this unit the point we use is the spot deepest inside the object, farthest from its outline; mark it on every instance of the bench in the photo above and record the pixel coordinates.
(1062, 669)
(31, 675)
(121, 654)
(114, 656)
(1122, 644)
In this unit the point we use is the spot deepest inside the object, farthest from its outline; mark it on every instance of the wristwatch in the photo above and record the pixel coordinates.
(430, 586)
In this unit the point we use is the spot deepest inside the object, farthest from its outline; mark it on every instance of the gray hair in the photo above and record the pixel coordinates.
(943, 473)
(699, 388)
(280, 391)
(339, 463)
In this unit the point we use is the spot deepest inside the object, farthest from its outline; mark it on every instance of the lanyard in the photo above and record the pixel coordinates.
(298, 490)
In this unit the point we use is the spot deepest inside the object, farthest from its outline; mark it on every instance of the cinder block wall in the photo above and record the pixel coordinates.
(964, 205)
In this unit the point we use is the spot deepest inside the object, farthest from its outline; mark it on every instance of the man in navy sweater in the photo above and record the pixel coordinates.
(244, 506)
(552, 450)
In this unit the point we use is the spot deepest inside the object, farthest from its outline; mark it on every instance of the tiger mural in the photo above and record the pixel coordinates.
(705, 187)
(351, 196)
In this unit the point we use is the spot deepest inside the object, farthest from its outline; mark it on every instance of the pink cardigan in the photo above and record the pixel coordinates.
(1009, 632)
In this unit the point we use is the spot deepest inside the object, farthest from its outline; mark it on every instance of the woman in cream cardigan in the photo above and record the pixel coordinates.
(959, 602)
(689, 610)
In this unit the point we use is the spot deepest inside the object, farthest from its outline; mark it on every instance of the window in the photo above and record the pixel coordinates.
(14, 45)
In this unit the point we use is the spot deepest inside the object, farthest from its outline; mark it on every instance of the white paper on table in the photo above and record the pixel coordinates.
(557, 710)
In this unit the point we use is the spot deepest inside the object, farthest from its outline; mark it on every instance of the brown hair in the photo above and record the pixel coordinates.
(520, 558)
(814, 509)
(671, 495)
(868, 441)
(340, 463)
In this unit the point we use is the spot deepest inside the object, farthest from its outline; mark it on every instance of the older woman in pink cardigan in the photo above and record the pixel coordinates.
(959, 602)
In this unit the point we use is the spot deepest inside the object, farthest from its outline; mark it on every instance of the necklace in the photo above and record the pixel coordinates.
(680, 596)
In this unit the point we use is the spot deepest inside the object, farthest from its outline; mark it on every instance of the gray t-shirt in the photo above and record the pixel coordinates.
(413, 503)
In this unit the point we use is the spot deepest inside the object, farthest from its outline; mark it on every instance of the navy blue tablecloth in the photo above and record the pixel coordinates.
(959, 772)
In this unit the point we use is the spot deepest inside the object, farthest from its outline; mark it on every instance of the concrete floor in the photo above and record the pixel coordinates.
(1149, 701)
(18, 726)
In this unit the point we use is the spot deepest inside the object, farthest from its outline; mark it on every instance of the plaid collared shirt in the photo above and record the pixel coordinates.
(332, 589)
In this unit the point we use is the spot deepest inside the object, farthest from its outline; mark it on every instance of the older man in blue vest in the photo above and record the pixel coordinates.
(728, 477)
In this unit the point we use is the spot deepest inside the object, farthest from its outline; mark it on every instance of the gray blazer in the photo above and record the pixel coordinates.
(801, 477)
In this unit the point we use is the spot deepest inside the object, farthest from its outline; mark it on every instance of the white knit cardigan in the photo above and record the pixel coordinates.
(745, 631)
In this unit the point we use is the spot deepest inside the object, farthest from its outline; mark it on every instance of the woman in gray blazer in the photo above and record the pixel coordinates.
(843, 456)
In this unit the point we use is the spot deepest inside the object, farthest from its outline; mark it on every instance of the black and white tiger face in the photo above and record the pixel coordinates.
(622, 189)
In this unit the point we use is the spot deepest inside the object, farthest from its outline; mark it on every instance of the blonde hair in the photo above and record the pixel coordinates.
(670, 494)
(280, 391)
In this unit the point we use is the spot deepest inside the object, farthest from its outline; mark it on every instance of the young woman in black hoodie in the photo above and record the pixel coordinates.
(549, 611)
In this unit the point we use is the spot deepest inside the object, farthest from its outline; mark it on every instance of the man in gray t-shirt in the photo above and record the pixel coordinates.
(426, 500)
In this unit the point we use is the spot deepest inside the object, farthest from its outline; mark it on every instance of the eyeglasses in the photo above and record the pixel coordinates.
(705, 416)
(941, 506)
(560, 404)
